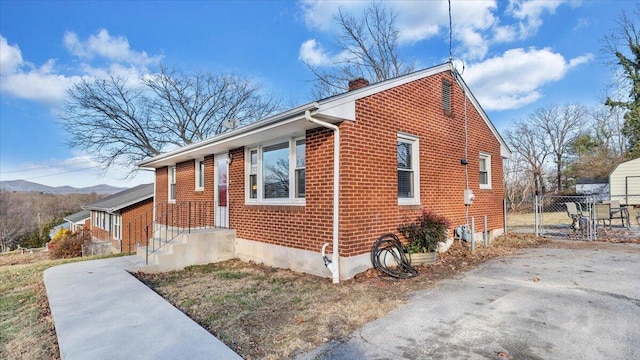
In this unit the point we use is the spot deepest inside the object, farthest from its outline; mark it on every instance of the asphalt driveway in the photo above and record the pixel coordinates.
(573, 300)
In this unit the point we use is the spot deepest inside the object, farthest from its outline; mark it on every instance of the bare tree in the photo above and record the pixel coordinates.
(531, 144)
(607, 124)
(14, 220)
(597, 151)
(120, 123)
(517, 181)
(368, 47)
(561, 125)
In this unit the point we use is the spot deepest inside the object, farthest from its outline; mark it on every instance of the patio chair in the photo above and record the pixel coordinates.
(602, 212)
(619, 212)
(578, 220)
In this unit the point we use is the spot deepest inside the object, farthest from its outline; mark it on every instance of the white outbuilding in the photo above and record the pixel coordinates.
(624, 182)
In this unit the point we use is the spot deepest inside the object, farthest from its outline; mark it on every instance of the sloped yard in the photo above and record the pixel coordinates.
(26, 326)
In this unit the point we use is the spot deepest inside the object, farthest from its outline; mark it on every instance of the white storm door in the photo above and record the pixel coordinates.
(221, 193)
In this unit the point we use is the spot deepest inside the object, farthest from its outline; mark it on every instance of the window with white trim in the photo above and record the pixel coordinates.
(301, 163)
(253, 174)
(276, 173)
(485, 171)
(200, 174)
(408, 170)
(116, 228)
(100, 220)
(172, 183)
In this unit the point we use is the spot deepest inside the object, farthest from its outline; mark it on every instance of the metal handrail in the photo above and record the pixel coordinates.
(168, 220)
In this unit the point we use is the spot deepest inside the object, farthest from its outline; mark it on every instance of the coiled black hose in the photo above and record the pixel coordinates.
(388, 255)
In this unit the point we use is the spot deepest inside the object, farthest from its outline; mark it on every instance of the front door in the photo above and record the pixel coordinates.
(221, 190)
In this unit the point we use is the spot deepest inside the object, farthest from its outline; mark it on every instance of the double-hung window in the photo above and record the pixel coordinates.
(276, 173)
(116, 228)
(485, 171)
(253, 174)
(301, 163)
(200, 174)
(408, 170)
(172, 183)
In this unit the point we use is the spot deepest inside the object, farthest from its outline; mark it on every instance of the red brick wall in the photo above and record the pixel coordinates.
(301, 227)
(369, 180)
(194, 208)
(137, 225)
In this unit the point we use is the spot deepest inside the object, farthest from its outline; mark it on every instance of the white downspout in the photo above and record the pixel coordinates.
(334, 267)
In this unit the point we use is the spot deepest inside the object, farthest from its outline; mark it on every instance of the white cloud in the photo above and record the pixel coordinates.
(515, 79)
(313, 54)
(48, 82)
(21, 79)
(319, 14)
(10, 57)
(476, 24)
(103, 45)
(529, 14)
(38, 84)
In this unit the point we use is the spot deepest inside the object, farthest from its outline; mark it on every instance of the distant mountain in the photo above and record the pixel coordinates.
(28, 186)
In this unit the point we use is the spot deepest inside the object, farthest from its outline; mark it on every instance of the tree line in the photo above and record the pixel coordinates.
(27, 217)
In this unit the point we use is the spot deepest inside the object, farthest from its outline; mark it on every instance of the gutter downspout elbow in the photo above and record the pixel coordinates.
(335, 256)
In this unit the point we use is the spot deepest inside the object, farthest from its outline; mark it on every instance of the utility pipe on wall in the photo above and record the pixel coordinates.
(335, 257)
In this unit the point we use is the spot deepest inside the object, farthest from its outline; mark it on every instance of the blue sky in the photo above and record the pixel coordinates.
(518, 56)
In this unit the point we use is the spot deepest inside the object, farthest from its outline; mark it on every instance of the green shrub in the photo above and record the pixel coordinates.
(425, 232)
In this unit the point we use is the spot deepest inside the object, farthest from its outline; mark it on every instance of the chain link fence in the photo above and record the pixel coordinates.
(580, 217)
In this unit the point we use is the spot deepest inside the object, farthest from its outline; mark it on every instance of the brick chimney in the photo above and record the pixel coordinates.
(358, 83)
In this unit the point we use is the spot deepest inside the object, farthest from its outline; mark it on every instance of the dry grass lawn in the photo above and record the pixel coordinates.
(267, 313)
(26, 326)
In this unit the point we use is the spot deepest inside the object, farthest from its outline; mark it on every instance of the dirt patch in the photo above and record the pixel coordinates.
(267, 313)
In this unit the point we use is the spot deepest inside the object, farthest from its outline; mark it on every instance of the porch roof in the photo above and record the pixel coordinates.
(118, 201)
(79, 216)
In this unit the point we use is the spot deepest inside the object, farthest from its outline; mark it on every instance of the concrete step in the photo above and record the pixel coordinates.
(196, 248)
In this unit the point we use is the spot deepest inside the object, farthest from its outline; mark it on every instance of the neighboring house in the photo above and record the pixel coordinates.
(598, 188)
(624, 182)
(79, 221)
(123, 219)
(343, 171)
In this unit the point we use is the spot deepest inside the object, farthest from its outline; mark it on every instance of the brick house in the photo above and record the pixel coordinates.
(344, 170)
(123, 219)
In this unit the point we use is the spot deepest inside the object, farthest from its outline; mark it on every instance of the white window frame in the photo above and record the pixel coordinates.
(297, 168)
(172, 174)
(116, 228)
(487, 158)
(260, 199)
(415, 167)
(200, 173)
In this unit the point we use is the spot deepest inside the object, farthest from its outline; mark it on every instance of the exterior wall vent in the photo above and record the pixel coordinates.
(446, 97)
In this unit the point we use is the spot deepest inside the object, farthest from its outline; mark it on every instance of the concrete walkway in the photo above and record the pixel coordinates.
(100, 311)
